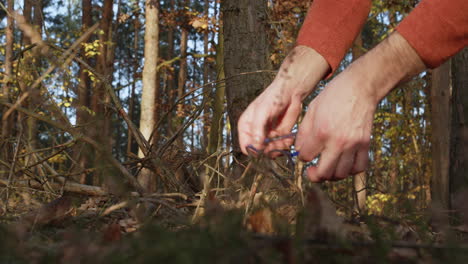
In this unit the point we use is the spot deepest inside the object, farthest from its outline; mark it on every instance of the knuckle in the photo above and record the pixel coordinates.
(363, 141)
(322, 133)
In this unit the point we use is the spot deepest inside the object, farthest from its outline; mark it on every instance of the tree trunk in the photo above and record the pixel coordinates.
(100, 97)
(218, 104)
(246, 50)
(27, 10)
(206, 88)
(134, 67)
(170, 75)
(26, 72)
(34, 98)
(440, 98)
(360, 179)
(449, 186)
(7, 122)
(150, 92)
(82, 151)
(181, 83)
(182, 78)
(459, 135)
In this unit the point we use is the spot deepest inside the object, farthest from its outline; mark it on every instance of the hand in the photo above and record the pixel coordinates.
(272, 113)
(275, 111)
(339, 121)
(338, 127)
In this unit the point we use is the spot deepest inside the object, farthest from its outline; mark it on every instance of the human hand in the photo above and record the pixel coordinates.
(339, 120)
(338, 127)
(274, 112)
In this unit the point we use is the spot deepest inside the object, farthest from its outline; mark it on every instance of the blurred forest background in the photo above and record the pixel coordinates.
(133, 105)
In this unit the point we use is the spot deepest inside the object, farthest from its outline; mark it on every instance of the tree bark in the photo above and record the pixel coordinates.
(170, 74)
(246, 50)
(150, 91)
(459, 135)
(182, 78)
(206, 88)
(134, 67)
(83, 153)
(7, 122)
(218, 104)
(181, 81)
(360, 179)
(34, 98)
(101, 123)
(449, 100)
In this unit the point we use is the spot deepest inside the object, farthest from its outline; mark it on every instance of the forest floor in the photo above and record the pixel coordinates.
(279, 227)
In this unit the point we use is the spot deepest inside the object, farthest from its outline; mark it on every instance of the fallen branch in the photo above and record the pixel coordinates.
(67, 186)
(67, 128)
(85, 189)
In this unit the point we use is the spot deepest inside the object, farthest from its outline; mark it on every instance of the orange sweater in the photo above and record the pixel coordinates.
(436, 29)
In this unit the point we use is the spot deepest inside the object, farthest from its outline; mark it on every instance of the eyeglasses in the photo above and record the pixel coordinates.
(281, 166)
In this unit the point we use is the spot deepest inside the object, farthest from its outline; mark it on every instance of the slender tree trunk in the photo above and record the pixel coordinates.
(136, 61)
(182, 78)
(150, 91)
(27, 10)
(360, 179)
(181, 81)
(34, 98)
(27, 76)
(449, 187)
(206, 89)
(83, 153)
(7, 122)
(216, 129)
(246, 50)
(170, 74)
(100, 97)
(459, 136)
(440, 102)
(38, 16)
(395, 146)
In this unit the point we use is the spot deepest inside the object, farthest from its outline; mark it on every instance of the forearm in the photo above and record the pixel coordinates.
(331, 27)
(389, 63)
(436, 29)
(302, 69)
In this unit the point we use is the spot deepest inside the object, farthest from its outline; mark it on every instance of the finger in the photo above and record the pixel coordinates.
(279, 142)
(251, 131)
(308, 141)
(344, 165)
(326, 166)
(309, 148)
(361, 160)
(277, 149)
(285, 125)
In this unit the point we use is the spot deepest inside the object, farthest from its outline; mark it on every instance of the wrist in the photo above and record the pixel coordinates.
(386, 65)
(300, 72)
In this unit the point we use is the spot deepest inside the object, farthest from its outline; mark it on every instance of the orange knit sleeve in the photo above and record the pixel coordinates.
(436, 29)
(331, 26)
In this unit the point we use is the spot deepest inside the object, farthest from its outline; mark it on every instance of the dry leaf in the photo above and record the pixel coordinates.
(261, 222)
(199, 23)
